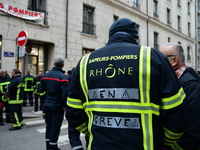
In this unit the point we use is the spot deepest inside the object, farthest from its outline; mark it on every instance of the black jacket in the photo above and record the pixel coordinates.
(55, 83)
(37, 81)
(28, 82)
(110, 90)
(4, 82)
(16, 90)
(190, 140)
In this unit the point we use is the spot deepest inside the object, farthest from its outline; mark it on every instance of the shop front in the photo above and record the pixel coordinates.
(35, 58)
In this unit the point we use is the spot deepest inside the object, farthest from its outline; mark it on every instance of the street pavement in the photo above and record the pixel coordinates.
(29, 113)
(33, 132)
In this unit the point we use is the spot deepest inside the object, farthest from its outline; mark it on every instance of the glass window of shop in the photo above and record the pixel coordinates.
(33, 60)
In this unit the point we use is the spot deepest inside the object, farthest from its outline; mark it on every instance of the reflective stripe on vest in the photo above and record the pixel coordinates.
(41, 94)
(173, 101)
(83, 128)
(1, 89)
(36, 87)
(17, 101)
(75, 103)
(171, 137)
(84, 86)
(17, 124)
(26, 83)
(176, 147)
(144, 86)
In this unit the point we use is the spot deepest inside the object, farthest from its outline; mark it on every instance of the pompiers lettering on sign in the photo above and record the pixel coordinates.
(116, 122)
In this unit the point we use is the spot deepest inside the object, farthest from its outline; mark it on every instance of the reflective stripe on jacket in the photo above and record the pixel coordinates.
(4, 88)
(28, 83)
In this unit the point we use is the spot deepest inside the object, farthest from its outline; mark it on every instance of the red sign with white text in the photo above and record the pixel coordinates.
(22, 38)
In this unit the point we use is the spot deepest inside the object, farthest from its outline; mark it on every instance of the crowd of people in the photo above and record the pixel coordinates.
(121, 96)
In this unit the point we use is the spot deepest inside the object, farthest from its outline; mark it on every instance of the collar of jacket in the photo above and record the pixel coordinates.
(116, 38)
(17, 75)
(58, 69)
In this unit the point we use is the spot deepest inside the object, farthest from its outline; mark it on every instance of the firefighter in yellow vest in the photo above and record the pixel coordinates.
(36, 92)
(16, 92)
(28, 88)
(125, 96)
(4, 82)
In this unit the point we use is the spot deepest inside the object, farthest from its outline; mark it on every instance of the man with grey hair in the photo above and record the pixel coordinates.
(190, 140)
(55, 84)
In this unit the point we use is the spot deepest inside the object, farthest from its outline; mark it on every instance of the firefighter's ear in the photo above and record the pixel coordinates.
(175, 62)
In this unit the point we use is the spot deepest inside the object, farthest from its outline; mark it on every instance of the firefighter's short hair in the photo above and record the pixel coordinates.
(58, 62)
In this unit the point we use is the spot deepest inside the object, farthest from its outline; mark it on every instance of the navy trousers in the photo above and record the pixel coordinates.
(30, 97)
(74, 138)
(16, 115)
(53, 119)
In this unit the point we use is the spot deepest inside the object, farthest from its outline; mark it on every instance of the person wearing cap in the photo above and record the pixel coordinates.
(16, 93)
(126, 96)
(55, 83)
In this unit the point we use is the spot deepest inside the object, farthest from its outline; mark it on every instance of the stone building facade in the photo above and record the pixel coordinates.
(72, 28)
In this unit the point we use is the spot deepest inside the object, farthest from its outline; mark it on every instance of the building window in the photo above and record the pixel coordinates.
(198, 5)
(189, 8)
(198, 33)
(135, 3)
(179, 23)
(198, 19)
(188, 53)
(156, 40)
(86, 51)
(179, 3)
(155, 9)
(199, 47)
(168, 16)
(88, 20)
(115, 18)
(189, 29)
(138, 27)
(169, 40)
(40, 6)
(198, 61)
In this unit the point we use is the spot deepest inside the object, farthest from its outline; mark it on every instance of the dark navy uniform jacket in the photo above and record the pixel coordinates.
(16, 90)
(4, 82)
(126, 97)
(190, 140)
(55, 83)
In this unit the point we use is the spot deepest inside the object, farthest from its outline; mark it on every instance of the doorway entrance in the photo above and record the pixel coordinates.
(35, 55)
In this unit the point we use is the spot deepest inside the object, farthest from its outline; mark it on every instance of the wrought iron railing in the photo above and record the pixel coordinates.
(136, 5)
(41, 10)
(169, 22)
(155, 15)
(89, 28)
(156, 46)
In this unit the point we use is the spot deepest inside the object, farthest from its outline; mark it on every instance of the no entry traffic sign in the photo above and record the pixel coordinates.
(22, 38)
